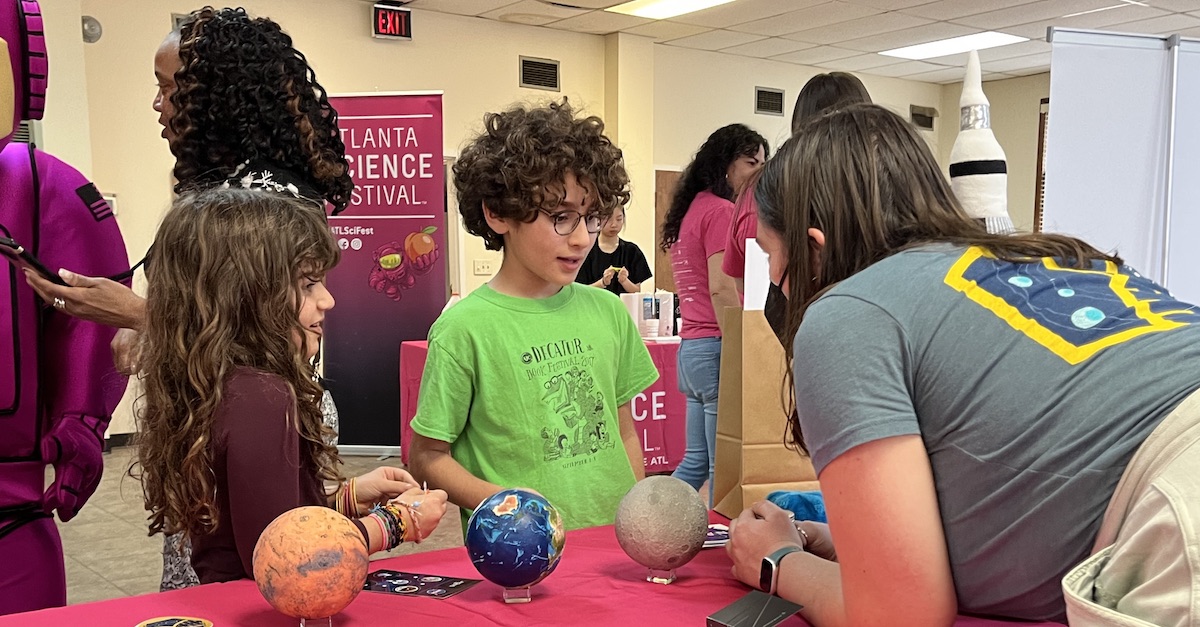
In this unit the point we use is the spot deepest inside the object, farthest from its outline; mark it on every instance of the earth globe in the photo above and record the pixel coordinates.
(515, 538)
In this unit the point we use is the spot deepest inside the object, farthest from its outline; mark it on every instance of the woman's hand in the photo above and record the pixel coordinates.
(422, 510)
(92, 298)
(382, 484)
(755, 534)
(127, 351)
(817, 539)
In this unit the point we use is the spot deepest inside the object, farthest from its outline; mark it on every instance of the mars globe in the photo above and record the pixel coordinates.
(515, 538)
(661, 523)
(310, 562)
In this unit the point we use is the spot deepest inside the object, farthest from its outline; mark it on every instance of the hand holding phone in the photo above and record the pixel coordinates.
(19, 256)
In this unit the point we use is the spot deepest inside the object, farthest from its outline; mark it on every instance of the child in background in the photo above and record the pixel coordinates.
(231, 431)
(613, 263)
(529, 378)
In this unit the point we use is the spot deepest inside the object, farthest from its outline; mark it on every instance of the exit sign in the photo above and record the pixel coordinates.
(390, 22)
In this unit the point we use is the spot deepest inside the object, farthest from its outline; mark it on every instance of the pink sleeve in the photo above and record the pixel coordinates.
(715, 227)
(743, 227)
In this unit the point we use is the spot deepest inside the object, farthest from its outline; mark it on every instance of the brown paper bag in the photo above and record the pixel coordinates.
(752, 460)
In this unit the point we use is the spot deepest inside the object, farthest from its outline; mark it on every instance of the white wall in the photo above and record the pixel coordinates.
(696, 92)
(1016, 103)
(66, 132)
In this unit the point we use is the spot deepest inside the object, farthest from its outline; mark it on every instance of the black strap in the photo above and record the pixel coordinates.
(967, 168)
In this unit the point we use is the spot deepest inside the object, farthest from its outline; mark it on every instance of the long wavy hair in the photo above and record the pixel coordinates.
(245, 93)
(518, 163)
(707, 172)
(864, 177)
(223, 294)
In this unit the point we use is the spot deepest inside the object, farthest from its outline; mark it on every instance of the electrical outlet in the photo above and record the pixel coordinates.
(483, 267)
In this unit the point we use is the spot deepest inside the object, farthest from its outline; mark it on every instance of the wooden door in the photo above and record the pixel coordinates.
(664, 190)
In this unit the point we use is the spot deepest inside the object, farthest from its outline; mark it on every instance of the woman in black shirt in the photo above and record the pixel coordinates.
(613, 263)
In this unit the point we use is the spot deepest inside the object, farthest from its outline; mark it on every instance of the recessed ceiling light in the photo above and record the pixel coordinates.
(662, 9)
(955, 45)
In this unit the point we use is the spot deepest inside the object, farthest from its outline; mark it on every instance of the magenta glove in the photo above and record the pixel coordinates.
(75, 447)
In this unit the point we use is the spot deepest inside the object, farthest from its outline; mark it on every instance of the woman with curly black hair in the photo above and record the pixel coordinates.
(240, 106)
(694, 232)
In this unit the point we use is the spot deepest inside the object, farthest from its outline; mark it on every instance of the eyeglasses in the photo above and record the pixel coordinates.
(566, 221)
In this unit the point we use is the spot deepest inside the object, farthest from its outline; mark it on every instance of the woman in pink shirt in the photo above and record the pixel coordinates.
(694, 232)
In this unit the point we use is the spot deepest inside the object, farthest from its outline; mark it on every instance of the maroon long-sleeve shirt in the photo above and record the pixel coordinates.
(261, 472)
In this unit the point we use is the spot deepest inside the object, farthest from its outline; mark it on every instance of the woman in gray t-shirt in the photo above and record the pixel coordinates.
(970, 401)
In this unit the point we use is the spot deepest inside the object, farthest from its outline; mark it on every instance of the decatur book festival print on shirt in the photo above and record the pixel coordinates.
(564, 370)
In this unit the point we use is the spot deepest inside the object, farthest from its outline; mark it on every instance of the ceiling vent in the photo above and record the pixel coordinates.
(539, 74)
(768, 101)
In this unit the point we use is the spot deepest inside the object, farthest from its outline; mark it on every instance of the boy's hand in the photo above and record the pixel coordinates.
(422, 510)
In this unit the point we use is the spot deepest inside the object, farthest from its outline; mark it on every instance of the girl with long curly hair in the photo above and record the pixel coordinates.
(230, 426)
(695, 231)
(984, 411)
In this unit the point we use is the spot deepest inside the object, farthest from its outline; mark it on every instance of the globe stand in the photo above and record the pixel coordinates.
(518, 595)
(655, 575)
(317, 622)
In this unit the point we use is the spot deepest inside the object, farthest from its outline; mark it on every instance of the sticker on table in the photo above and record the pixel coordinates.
(416, 584)
(718, 535)
(175, 621)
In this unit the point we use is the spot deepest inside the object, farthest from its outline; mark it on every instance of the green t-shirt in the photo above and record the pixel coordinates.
(527, 391)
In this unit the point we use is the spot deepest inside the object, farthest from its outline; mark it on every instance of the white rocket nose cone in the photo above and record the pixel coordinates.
(972, 92)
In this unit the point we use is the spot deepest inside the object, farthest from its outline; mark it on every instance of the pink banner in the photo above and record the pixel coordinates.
(392, 282)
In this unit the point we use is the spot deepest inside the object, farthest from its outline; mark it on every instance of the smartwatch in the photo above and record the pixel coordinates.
(768, 577)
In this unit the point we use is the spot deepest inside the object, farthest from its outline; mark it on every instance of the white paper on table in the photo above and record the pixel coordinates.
(757, 277)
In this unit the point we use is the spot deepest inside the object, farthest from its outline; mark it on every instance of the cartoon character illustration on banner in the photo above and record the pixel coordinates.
(58, 386)
(396, 268)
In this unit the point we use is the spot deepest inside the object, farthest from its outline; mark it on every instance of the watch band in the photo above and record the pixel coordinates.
(768, 577)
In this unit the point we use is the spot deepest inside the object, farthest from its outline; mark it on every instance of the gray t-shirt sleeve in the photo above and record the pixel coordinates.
(852, 376)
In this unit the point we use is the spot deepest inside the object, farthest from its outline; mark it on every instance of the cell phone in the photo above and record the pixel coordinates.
(18, 255)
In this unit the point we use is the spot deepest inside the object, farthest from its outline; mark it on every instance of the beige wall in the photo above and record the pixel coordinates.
(696, 92)
(1015, 106)
(66, 132)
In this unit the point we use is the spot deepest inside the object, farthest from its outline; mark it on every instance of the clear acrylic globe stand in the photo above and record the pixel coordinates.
(317, 622)
(518, 595)
(655, 575)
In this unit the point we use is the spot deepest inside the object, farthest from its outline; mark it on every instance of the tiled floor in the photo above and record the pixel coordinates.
(108, 553)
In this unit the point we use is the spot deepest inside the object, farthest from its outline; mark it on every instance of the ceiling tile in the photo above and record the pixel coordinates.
(908, 37)
(715, 40)
(1033, 61)
(860, 62)
(594, 4)
(995, 76)
(1033, 12)
(1181, 6)
(944, 75)
(742, 11)
(460, 7)
(814, 56)
(662, 30)
(532, 12)
(1165, 25)
(904, 69)
(1188, 32)
(806, 19)
(600, 22)
(1029, 71)
(944, 10)
(767, 47)
(1025, 48)
(856, 29)
(1095, 19)
(890, 5)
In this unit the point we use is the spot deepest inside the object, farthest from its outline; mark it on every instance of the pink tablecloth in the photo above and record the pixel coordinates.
(659, 412)
(595, 584)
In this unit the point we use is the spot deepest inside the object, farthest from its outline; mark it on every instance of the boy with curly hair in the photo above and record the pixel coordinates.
(529, 378)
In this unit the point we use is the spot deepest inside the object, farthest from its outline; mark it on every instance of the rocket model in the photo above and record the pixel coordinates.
(978, 171)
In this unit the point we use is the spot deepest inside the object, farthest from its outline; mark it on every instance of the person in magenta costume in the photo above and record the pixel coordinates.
(58, 387)
(694, 232)
(614, 264)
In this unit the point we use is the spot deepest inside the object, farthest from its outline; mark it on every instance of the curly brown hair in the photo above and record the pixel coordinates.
(516, 165)
(244, 93)
(223, 294)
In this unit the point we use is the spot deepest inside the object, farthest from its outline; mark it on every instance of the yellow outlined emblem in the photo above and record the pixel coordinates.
(1139, 318)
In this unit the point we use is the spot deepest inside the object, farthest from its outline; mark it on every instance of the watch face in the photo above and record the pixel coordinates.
(765, 574)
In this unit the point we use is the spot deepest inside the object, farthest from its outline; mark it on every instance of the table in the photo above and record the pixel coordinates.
(594, 584)
(659, 412)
